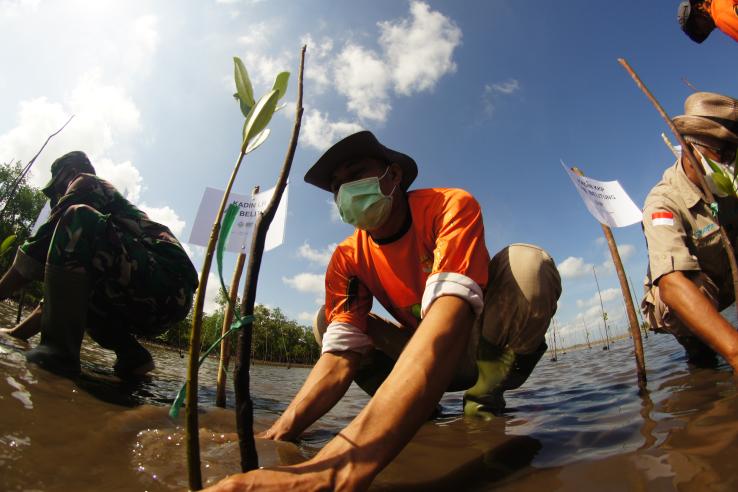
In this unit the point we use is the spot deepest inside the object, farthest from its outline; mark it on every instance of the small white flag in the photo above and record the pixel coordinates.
(607, 201)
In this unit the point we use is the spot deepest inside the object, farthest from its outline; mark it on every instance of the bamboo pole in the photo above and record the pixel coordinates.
(692, 161)
(225, 347)
(244, 407)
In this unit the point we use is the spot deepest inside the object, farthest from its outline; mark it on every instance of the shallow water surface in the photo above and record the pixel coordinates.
(578, 424)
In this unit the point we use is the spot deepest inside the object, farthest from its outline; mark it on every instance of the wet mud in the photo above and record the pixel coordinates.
(579, 423)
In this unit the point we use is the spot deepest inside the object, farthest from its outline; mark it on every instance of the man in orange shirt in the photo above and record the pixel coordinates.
(464, 322)
(698, 18)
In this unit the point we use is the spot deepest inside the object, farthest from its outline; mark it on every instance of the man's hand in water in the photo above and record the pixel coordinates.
(299, 478)
(27, 328)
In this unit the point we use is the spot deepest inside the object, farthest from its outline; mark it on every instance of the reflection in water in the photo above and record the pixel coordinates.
(578, 424)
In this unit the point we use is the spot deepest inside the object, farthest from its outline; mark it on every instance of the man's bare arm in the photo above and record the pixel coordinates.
(327, 383)
(698, 313)
(27, 328)
(404, 401)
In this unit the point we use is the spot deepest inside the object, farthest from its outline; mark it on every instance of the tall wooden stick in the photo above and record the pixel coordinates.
(635, 331)
(244, 407)
(692, 161)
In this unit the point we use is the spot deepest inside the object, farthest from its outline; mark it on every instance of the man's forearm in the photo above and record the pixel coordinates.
(699, 314)
(405, 399)
(327, 383)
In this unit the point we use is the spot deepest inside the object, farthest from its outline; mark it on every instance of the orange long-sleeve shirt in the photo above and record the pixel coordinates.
(725, 15)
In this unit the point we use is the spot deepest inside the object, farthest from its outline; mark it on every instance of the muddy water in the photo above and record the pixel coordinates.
(578, 424)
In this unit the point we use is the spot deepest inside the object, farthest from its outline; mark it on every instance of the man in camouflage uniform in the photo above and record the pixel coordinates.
(107, 269)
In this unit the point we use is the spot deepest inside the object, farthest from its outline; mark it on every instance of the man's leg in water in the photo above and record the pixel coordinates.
(520, 301)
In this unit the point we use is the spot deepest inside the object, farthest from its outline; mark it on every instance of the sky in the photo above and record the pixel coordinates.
(487, 96)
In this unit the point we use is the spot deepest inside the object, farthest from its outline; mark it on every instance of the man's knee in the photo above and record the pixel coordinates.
(534, 273)
(320, 324)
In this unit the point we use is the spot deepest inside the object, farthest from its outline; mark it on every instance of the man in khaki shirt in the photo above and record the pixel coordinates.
(689, 279)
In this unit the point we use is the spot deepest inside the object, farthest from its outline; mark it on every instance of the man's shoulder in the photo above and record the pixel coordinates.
(664, 192)
(441, 196)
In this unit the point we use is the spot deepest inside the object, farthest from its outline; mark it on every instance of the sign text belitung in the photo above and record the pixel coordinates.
(240, 238)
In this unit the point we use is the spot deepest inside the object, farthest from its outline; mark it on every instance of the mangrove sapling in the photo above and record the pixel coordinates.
(258, 114)
(244, 408)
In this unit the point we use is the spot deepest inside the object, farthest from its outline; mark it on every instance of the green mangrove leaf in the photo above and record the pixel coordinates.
(713, 165)
(725, 183)
(245, 108)
(243, 83)
(280, 83)
(259, 117)
(258, 140)
(6, 244)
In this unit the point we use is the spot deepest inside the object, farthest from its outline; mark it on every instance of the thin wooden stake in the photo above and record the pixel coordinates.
(692, 161)
(244, 407)
(225, 347)
(635, 331)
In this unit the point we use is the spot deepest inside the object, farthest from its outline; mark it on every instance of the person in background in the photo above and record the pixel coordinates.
(698, 18)
(461, 321)
(106, 268)
(689, 277)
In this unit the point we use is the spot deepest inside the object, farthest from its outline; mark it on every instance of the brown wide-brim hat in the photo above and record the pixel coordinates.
(710, 115)
(357, 146)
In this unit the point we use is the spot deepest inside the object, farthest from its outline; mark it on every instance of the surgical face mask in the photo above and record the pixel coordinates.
(721, 181)
(362, 204)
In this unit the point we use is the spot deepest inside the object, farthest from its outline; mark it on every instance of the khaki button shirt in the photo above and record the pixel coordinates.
(690, 239)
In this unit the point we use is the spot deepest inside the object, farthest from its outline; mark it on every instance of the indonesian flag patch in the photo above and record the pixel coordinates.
(662, 218)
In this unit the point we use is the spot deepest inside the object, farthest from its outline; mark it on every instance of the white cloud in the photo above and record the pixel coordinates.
(211, 294)
(419, 50)
(573, 267)
(508, 87)
(626, 251)
(364, 79)
(124, 176)
(166, 216)
(306, 317)
(317, 256)
(257, 36)
(306, 282)
(104, 114)
(11, 9)
(335, 215)
(594, 301)
(320, 133)
(415, 53)
(492, 92)
(318, 58)
(141, 41)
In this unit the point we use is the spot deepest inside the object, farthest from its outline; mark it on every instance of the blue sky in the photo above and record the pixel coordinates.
(485, 95)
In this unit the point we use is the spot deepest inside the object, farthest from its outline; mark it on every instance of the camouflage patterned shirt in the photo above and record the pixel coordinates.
(90, 190)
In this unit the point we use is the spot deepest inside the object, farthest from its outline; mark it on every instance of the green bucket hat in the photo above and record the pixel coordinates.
(75, 161)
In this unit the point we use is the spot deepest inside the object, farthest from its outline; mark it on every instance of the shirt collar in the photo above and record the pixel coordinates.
(687, 189)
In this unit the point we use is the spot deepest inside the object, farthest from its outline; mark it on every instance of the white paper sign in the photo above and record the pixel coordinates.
(43, 216)
(607, 201)
(240, 238)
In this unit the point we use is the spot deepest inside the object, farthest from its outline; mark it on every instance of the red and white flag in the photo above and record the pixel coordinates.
(662, 218)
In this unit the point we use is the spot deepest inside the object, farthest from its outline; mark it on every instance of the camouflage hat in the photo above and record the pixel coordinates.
(75, 161)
